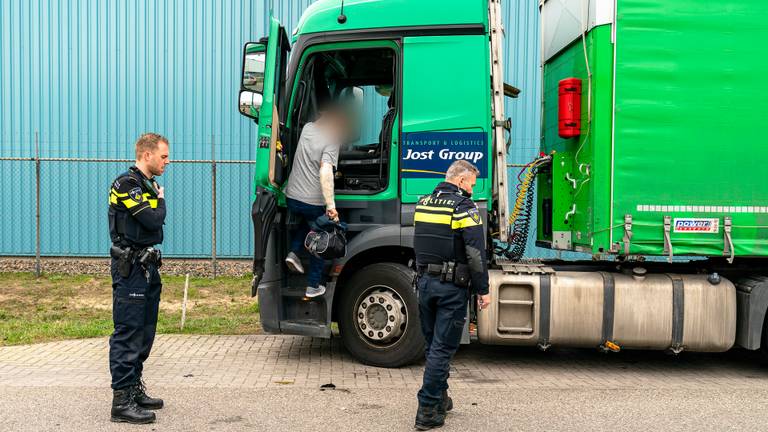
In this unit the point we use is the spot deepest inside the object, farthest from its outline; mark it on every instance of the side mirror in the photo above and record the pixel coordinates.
(250, 102)
(252, 84)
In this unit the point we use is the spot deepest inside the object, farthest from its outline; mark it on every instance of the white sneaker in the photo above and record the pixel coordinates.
(314, 292)
(294, 263)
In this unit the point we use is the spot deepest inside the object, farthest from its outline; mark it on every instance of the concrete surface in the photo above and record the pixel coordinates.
(273, 383)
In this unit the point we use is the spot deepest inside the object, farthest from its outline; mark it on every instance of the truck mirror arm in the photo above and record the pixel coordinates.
(511, 91)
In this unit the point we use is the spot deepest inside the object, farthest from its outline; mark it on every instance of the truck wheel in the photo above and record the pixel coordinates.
(764, 342)
(757, 284)
(379, 316)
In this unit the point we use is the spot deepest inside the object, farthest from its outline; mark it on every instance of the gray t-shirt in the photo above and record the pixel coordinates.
(315, 146)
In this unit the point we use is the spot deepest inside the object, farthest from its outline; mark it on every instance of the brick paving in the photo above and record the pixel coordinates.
(265, 361)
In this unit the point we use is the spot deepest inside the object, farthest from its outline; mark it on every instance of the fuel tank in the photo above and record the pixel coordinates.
(539, 306)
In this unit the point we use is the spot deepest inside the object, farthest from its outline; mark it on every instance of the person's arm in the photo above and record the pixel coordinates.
(130, 195)
(328, 160)
(467, 220)
(326, 183)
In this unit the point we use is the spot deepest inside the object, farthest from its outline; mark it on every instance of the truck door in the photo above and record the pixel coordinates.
(260, 99)
(446, 111)
(261, 96)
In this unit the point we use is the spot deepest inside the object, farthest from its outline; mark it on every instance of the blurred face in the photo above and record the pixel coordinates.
(467, 182)
(156, 160)
(344, 126)
(338, 122)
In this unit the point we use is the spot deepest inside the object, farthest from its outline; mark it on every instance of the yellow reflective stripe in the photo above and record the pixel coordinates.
(460, 215)
(464, 223)
(435, 209)
(130, 203)
(432, 218)
(114, 191)
(148, 198)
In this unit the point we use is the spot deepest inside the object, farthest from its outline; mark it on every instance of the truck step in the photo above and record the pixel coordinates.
(307, 327)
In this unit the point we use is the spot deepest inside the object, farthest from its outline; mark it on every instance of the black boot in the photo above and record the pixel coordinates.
(446, 404)
(429, 417)
(124, 408)
(144, 401)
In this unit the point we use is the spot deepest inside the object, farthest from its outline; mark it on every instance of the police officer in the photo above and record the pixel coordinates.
(450, 259)
(136, 217)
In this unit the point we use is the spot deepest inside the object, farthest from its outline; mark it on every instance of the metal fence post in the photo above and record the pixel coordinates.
(213, 205)
(37, 205)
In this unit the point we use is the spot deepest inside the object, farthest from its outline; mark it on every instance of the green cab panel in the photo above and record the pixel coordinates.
(446, 115)
(322, 15)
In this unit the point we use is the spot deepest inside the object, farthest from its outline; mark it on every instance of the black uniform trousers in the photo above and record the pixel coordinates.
(135, 304)
(443, 312)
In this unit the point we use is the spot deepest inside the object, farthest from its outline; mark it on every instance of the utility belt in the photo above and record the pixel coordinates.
(449, 271)
(127, 256)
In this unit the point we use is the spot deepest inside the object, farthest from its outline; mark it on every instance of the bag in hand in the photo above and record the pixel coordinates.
(327, 239)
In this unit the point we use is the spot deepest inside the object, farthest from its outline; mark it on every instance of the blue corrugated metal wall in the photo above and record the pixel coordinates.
(89, 76)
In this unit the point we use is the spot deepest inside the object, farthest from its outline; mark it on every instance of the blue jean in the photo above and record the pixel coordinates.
(308, 213)
(135, 305)
(442, 311)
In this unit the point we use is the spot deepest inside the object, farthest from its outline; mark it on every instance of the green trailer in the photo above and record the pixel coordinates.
(662, 162)
(669, 159)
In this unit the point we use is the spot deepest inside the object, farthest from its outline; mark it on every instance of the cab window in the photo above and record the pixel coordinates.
(364, 80)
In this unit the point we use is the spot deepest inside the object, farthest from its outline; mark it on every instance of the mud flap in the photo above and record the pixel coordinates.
(263, 215)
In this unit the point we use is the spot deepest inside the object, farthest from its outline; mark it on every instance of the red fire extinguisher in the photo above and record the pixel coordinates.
(569, 108)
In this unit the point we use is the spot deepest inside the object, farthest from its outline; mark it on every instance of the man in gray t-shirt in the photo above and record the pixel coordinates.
(316, 146)
(309, 191)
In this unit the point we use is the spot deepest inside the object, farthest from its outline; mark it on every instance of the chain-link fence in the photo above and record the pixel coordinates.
(57, 206)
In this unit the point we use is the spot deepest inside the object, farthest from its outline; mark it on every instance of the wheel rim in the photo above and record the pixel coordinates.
(381, 316)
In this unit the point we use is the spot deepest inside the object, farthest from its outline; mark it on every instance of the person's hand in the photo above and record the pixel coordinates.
(161, 192)
(332, 214)
(483, 301)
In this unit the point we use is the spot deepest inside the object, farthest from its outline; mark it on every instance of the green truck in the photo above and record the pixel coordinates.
(650, 164)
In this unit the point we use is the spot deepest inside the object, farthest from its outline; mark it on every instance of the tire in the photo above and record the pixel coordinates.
(377, 344)
(764, 342)
(756, 284)
(764, 336)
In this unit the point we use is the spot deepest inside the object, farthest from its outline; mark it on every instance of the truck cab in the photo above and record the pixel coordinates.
(426, 79)
(421, 82)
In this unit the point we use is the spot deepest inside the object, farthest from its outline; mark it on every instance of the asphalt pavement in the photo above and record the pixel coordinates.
(235, 383)
(298, 409)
